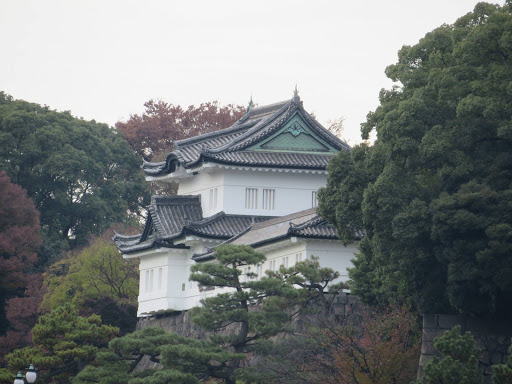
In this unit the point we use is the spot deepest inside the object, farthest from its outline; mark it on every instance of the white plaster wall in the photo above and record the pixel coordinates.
(178, 293)
(201, 184)
(293, 191)
(332, 254)
(294, 251)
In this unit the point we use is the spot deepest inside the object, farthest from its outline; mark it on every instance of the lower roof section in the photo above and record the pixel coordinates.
(303, 224)
(172, 217)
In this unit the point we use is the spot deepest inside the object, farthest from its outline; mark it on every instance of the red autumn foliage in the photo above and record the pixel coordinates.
(383, 349)
(19, 243)
(22, 314)
(162, 123)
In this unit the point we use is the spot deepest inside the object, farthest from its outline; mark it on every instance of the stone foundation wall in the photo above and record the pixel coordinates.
(343, 307)
(492, 339)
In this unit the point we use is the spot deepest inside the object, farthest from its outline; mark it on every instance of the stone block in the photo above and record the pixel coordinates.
(496, 358)
(430, 321)
(485, 358)
(424, 359)
(491, 343)
(353, 299)
(427, 348)
(430, 334)
(358, 309)
(450, 321)
(339, 310)
(342, 298)
(475, 325)
(480, 343)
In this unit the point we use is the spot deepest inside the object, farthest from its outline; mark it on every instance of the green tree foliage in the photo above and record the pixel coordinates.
(314, 284)
(97, 280)
(240, 319)
(502, 373)
(433, 193)
(459, 363)
(232, 309)
(63, 343)
(81, 174)
(182, 360)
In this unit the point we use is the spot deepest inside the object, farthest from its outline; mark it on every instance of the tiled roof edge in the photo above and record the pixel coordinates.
(209, 255)
(237, 126)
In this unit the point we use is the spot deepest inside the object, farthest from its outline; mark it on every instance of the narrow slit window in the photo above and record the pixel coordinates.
(269, 199)
(251, 198)
(146, 282)
(314, 199)
(160, 274)
(213, 198)
(151, 272)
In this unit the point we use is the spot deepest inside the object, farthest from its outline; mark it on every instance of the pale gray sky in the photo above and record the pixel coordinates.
(102, 59)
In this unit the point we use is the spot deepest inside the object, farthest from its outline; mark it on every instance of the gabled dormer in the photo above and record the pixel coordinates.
(295, 137)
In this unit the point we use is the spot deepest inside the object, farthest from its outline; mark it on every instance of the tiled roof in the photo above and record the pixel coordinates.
(229, 145)
(171, 217)
(305, 224)
(272, 159)
(171, 213)
(223, 226)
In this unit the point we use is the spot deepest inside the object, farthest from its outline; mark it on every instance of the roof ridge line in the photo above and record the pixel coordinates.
(208, 135)
(282, 219)
(235, 144)
(205, 220)
(313, 221)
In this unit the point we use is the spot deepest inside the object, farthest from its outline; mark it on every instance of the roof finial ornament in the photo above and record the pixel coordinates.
(296, 96)
(251, 104)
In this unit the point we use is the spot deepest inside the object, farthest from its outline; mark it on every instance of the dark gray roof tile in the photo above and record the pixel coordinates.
(229, 145)
(176, 216)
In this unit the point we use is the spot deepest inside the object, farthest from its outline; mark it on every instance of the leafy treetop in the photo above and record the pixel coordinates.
(433, 193)
(154, 132)
(81, 174)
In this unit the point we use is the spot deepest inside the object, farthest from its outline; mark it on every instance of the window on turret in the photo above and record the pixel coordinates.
(251, 198)
(146, 282)
(314, 199)
(269, 199)
(213, 198)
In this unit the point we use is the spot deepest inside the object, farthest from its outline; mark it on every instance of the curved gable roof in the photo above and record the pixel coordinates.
(171, 217)
(235, 145)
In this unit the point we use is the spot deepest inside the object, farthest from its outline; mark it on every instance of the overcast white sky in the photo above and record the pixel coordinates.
(102, 59)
